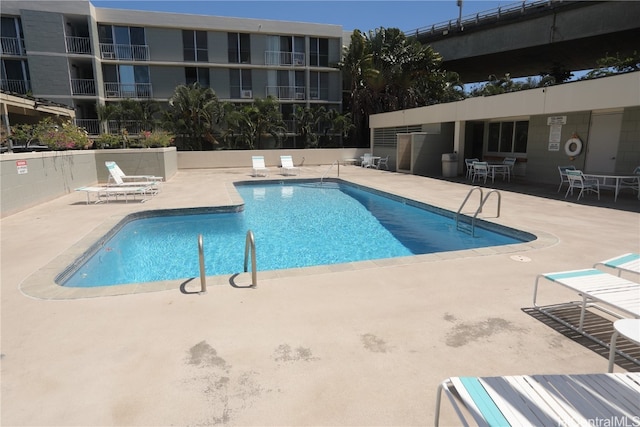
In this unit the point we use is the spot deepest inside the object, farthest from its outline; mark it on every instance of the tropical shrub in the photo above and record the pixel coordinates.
(156, 139)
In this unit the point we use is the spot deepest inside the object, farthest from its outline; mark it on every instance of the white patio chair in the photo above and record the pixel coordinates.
(563, 175)
(633, 184)
(469, 164)
(510, 162)
(367, 161)
(578, 180)
(287, 166)
(384, 161)
(258, 166)
(480, 170)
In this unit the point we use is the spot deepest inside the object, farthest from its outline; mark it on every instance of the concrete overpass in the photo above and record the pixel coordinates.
(527, 38)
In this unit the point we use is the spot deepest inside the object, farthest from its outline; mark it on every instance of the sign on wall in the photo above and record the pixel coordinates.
(21, 166)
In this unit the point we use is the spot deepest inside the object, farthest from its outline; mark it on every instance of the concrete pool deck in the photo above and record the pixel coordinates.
(351, 344)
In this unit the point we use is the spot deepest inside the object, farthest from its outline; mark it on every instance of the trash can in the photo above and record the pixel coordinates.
(449, 165)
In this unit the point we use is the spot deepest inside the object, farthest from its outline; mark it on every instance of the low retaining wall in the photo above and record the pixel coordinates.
(242, 158)
(28, 179)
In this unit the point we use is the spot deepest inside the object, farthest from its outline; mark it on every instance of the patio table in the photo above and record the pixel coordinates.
(612, 181)
(499, 168)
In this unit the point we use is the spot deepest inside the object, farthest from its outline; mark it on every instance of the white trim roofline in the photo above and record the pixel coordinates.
(605, 93)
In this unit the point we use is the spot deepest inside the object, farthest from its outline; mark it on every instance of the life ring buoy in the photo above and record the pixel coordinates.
(573, 147)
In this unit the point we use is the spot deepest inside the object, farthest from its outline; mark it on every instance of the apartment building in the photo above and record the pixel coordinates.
(75, 54)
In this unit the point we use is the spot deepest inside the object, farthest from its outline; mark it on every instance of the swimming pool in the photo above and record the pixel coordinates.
(296, 224)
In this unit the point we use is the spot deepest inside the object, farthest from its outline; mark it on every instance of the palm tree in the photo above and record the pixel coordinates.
(267, 119)
(194, 115)
(306, 122)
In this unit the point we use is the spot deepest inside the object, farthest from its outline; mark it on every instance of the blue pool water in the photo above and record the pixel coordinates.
(294, 224)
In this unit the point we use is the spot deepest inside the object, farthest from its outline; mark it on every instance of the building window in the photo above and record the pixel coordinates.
(126, 81)
(239, 45)
(508, 137)
(12, 37)
(318, 52)
(240, 84)
(318, 85)
(196, 75)
(118, 42)
(15, 76)
(194, 44)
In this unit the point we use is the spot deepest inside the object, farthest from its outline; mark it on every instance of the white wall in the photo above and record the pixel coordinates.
(597, 94)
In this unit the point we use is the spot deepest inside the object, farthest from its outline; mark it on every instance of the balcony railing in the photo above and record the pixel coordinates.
(81, 45)
(287, 92)
(127, 90)
(272, 57)
(92, 126)
(133, 127)
(12, 46)
(17, 86)
(83, 87)
(124, 52)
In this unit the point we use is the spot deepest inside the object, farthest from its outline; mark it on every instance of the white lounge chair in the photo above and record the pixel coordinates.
(287, 166)
(611, 294)
(104, 194)
(115, 171)
(629, 262)
(543, 400)
(258, 166)
(116, 181)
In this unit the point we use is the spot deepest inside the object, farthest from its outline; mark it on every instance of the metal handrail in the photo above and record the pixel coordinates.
(483, 200)
(203, 277)
(328, 170)
(462, 205)
(250, 243)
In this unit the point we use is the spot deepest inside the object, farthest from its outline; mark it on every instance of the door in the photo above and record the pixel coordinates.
(602, 146)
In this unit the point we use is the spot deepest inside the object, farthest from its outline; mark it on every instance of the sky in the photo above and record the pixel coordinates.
(363, 15)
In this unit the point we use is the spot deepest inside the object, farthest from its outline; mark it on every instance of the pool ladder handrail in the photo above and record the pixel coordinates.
(250, 244)
(328, 170)
(203, 277)
(483, 200)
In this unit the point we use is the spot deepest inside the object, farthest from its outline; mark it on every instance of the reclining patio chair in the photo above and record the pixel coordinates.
(542, 400)
(258, 166)
(287, 166)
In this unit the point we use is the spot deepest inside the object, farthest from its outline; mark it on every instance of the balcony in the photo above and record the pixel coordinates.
(16, 86)
(92, 126)
(124, 52)
(83, 87)
(127, 90)
(287, 92)
(294, 59)
(12, 46)
(79, 45)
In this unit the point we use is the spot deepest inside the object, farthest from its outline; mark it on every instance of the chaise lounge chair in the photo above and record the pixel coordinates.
(259, 168)
(627, 262)
(287, 166)
(543, 400)
(115, 171)
(611, 294)
(104, 194)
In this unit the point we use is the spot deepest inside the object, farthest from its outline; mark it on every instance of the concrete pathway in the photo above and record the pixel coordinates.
(351, 344)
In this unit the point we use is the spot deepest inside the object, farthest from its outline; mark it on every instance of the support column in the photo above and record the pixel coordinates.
(458, 142)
